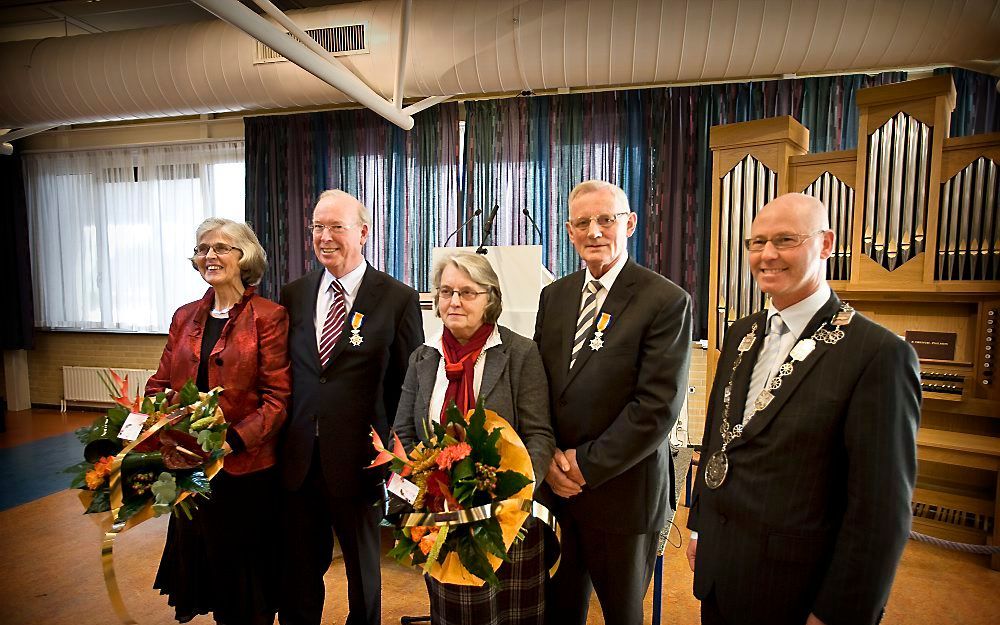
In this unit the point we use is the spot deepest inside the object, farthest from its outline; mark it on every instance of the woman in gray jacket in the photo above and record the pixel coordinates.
(475, 357)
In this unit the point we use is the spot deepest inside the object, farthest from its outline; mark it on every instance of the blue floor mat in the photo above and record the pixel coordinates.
(34, 470)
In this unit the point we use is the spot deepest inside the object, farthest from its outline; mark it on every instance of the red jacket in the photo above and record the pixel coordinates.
(250, 362)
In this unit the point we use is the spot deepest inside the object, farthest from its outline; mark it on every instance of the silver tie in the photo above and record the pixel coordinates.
(586, 319)
(765, 362)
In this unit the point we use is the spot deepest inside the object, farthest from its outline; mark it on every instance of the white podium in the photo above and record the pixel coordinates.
(522, 277)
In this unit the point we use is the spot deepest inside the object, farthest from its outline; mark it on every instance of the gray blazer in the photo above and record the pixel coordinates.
(514, 386)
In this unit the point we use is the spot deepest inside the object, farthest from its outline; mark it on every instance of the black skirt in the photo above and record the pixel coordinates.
(223, 560)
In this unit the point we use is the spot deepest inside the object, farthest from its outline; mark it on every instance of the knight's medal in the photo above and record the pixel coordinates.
(716, 469)
(356, 320)
(597, 342)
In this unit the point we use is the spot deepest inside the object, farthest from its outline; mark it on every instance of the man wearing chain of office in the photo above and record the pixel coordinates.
(801, 508)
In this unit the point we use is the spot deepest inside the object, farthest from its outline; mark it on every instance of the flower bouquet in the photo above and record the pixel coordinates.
(468, 490)
(146, 456)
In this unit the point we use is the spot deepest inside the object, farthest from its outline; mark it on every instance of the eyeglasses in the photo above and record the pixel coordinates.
(604, 221)
(220, 249)
(467, 295)
(781, 242)
(317, 229)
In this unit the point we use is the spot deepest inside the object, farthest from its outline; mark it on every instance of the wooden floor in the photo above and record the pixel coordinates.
(50, 570)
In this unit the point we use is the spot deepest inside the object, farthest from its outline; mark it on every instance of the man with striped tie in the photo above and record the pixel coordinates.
(351, 331)
(615, 340)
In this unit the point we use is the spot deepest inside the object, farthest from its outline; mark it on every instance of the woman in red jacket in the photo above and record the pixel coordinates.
(221, 561)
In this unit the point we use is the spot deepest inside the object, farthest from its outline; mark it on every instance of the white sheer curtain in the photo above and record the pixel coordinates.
(112, 230)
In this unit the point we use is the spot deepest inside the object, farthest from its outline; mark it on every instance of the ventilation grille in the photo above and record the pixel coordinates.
(338, 40)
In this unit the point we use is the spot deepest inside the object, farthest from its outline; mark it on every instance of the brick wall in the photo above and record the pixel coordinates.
(698, 399)
(53, 350)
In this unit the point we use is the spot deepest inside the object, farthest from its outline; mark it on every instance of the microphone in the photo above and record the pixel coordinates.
(527, 214)
(467, 222)
(488, 229)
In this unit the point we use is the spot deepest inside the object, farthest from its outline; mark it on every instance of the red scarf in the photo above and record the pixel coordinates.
(460, 368)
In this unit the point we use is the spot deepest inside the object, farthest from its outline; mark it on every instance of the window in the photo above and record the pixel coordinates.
(112, 230)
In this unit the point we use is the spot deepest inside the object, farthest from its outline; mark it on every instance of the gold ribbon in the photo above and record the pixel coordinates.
(483, 512)
(117, 526)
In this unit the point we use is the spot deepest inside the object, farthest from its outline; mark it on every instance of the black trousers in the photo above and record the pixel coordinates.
(618, 567)
(311, 519)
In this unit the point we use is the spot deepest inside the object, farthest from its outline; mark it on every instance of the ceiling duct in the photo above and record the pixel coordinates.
(485, 46)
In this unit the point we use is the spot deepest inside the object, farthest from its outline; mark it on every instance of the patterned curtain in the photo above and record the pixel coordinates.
(409, 181)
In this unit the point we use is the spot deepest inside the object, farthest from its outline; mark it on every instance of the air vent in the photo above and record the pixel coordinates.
(339, 40)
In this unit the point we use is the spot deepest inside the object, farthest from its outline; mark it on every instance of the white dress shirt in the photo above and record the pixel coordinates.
(796, 318)
(607, 281)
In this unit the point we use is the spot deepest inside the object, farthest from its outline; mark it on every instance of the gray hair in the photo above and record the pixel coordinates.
(253, 261)
(479, 271)
(593, 186)
(364, 215)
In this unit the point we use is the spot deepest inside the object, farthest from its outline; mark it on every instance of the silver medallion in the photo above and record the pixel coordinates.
(356, 338)
(747, 342)
(716, 469)
(597, 342)
(762, 400)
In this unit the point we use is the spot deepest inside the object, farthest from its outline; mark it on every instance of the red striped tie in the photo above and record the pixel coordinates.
(334, 323)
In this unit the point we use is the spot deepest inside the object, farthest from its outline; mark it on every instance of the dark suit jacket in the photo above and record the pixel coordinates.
(618, 404)
(815, 510)
(250, 363)
(513, 386)
(357, 390)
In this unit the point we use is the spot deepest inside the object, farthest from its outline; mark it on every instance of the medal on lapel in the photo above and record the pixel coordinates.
(356, 320)
(597, 342)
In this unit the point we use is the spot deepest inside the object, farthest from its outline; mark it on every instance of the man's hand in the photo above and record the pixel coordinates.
(691, 551)
(814, 620)
(574, 469)
(558, 478)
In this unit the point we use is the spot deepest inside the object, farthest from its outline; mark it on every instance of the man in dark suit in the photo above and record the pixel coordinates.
(802, 502)
(615, 340)
(351, 331)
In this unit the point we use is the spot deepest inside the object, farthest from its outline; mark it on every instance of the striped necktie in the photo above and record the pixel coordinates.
(334, 323)
(586, 319)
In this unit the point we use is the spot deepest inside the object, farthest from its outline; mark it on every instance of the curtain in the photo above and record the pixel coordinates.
(17, 330)
(408, 180)
(112, 230)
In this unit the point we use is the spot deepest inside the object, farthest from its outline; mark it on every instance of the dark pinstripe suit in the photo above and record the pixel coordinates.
(815, 510)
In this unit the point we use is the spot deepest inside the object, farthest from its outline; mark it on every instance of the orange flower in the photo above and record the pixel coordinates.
(427, 542)
(418, 532)
(452, 454)
(96, 476)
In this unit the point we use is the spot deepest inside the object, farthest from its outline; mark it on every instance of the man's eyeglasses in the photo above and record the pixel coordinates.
(317, 229)
(781, 242)
(604, 221)
(220, 249)
(467, 295)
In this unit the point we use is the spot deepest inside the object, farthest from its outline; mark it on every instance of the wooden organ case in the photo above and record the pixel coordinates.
(917, 249)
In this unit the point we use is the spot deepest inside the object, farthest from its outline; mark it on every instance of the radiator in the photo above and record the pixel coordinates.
(83, 384)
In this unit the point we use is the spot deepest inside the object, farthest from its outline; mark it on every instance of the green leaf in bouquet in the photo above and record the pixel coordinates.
(196, 482)
(189, 394)
(475, 432)
(403, 549)
(158, 400)
(147, 406)
(101, 502)
(141, 462)
(473, 557)
(132, 506)
(489, 453)
(509, 483)
(439, 432)
(490, 537)
(211, 439)
(451, 414)
(165, 489)
(80, 473)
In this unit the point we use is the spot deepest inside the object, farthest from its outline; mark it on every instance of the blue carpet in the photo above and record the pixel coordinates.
(34, 470)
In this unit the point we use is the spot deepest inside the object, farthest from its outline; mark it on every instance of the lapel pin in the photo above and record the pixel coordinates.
(356, 320)
(597, 342)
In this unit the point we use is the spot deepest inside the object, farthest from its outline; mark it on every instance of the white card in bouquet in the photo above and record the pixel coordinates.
(402, 488)
(132, 427)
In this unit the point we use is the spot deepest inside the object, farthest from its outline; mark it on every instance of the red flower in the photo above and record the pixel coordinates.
(438, 492)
